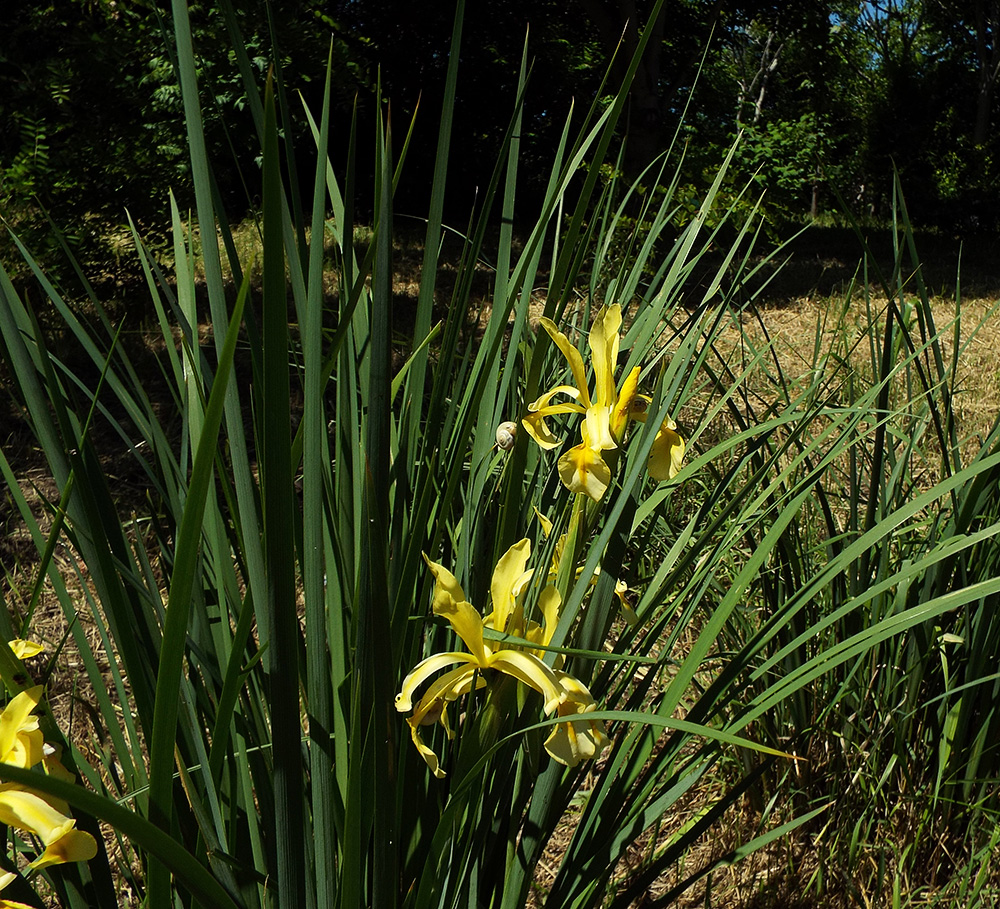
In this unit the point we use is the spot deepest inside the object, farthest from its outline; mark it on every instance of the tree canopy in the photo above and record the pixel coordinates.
(828, 95)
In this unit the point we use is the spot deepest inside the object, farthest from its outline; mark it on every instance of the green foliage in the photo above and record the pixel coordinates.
(800, 586)
(94, 119)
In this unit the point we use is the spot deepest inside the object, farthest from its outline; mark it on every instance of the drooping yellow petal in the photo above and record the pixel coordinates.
(667, 454)
(506, 577)
(24, 650)
(572, 356)
(433, 706)
(578, 738)
(71, 845)
(534, 422)
(443, 690)
(430, 758)
(21, 740)
(604, 347)
(27, 811)
(427, 668)
(536, 427)
(544, 521)
(583, 470)
(527, 668)
(621, 588)
(542, 404)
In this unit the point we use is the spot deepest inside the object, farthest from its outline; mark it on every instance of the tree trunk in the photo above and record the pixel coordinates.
(988, 59)
(619, 20)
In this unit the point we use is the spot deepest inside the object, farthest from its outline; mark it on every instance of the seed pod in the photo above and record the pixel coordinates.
(506, 435)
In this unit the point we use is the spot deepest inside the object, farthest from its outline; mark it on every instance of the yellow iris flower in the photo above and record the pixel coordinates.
(22, 745)
(605, 413)
(558, 690)
(63, 843)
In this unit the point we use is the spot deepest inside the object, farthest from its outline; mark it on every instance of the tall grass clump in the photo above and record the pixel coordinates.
(547, 580)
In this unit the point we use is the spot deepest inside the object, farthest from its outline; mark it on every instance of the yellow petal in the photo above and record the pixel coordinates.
(8, 877)
(424, 670)
(21, 740)
(448, 687)
(542, 405)
(506, 575)
(549, 602)
(24, 650)
(626, 401)
(71, 845)
(544, 521)
(536, 427)
(447, 590)
(28, 811)
(572, 356)
(667, 453)
(430, 758)
(468, 625)
(527, 668)
(534, 422)
(604, 346)
(53, 764)
(583, 470)
(621, 588)
(578, 738)
(596, 429)
(522, 582)
(433, 706)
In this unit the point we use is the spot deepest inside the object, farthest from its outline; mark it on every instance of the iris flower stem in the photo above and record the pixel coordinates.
(576, 534)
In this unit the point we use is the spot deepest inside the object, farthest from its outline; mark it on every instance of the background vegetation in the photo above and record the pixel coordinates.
(830, 94)
(225, 522)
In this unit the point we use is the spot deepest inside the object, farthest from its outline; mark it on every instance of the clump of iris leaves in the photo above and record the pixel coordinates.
(814, 592)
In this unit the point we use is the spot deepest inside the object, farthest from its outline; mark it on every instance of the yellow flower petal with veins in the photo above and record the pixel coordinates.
(582, 469)
(578, 738)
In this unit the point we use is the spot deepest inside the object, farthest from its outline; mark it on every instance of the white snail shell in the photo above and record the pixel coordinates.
(506, 435)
